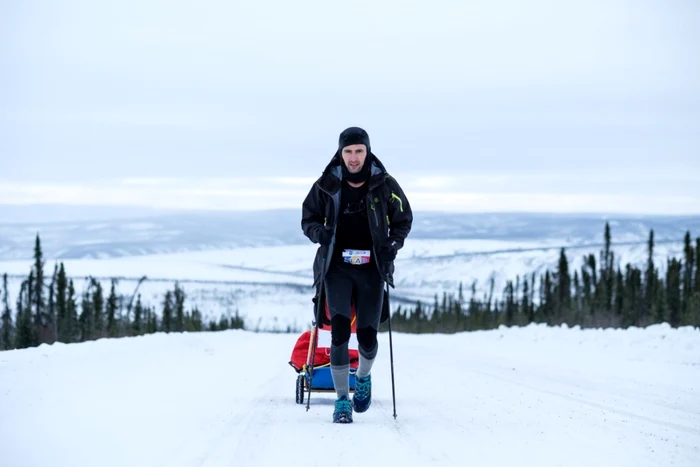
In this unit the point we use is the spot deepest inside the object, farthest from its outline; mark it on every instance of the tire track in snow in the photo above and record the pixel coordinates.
(272, 422)
(590, 402)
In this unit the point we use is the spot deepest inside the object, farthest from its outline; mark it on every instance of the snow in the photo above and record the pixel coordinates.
(540, 396)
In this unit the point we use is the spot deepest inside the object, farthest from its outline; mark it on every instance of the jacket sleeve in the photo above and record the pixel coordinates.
(312, 218)
(400, 213)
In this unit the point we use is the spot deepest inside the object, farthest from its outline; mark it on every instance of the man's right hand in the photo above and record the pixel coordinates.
(325, 236)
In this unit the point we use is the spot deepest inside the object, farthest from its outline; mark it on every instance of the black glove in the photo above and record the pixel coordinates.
(388, 251)
(325, 236)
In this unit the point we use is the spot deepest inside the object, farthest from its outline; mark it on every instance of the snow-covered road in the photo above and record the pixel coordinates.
(530, 396)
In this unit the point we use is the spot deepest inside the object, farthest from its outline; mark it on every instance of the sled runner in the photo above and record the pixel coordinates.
(320, 379)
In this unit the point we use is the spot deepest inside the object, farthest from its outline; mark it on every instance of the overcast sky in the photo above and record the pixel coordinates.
(590, 105)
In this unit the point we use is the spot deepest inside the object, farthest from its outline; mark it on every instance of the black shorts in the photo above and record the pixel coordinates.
(362, 284)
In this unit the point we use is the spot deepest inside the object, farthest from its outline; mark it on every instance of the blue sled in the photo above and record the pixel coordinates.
(322, 381)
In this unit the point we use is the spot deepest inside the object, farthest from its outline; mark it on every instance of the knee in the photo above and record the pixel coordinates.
(340, 330)
(367, 338)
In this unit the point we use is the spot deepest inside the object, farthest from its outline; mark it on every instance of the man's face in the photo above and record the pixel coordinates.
(354, 157)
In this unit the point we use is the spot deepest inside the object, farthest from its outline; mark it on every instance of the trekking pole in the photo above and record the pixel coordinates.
(391, 355)
(314, 336)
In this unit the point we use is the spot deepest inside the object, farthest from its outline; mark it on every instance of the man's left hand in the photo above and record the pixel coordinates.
(388, 251)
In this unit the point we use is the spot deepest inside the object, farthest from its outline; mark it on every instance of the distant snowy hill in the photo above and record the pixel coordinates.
(110, 232)
(259, 264)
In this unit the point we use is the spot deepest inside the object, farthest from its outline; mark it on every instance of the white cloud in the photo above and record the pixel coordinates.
(435, 182)
(151, 181)
(478, 97)
(305, 182)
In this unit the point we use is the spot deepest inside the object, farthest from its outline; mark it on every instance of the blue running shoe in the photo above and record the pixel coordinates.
(343, 410)
(362, 398)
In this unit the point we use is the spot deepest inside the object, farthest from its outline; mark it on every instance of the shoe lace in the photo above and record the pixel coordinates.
(343, 405)
(362, 389)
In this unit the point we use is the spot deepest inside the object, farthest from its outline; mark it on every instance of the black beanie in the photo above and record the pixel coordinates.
(353, 135)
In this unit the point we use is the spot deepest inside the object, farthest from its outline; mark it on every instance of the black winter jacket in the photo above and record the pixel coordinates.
(388, 209)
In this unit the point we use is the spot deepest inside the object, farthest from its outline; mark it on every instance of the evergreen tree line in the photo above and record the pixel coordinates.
(48, 311)
(600, 295)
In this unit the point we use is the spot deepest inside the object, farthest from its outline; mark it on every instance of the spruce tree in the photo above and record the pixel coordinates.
(196, 320)
(112, 329)
(660, 305)
(8, 331)
(693, 317)
(493, 318)
(149, 327)
(98, 305)
(510, 305)
(578, 299)
(416, 318)
(595, 286)
(650, 275)
(532, 292)
(587, 299)
(619, 305)
(179, 298)
(25, 324)
(697, 265)
(70, 325)
(688, 268)
(634, 295)
(548, 299)
(606, 274)
(62, 317)
(154, 322)
(473, 310)
(608, 240)
(32, 315)
(629, 318)
(459, 317)
(673, 292)
(38, 287)
(237, 322)
(563, 286)
(137, 326)
(193, 321)
(644, 318)
(223, 323)
(168, 312)
(436, 308)
(525, 307)
(37, 297)
(51, 327)
(87, 316)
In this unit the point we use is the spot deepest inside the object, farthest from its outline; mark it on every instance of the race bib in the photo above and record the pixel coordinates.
(356, 256)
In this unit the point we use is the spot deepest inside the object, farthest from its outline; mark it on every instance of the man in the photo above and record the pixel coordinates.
(360, 217)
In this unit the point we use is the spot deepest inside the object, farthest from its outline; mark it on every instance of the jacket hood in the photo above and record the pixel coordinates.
(332, 175)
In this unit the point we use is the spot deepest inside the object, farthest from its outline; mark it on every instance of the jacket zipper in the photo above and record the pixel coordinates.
(374, 211)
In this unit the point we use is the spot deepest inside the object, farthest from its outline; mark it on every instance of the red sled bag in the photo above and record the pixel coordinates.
(301, 354)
